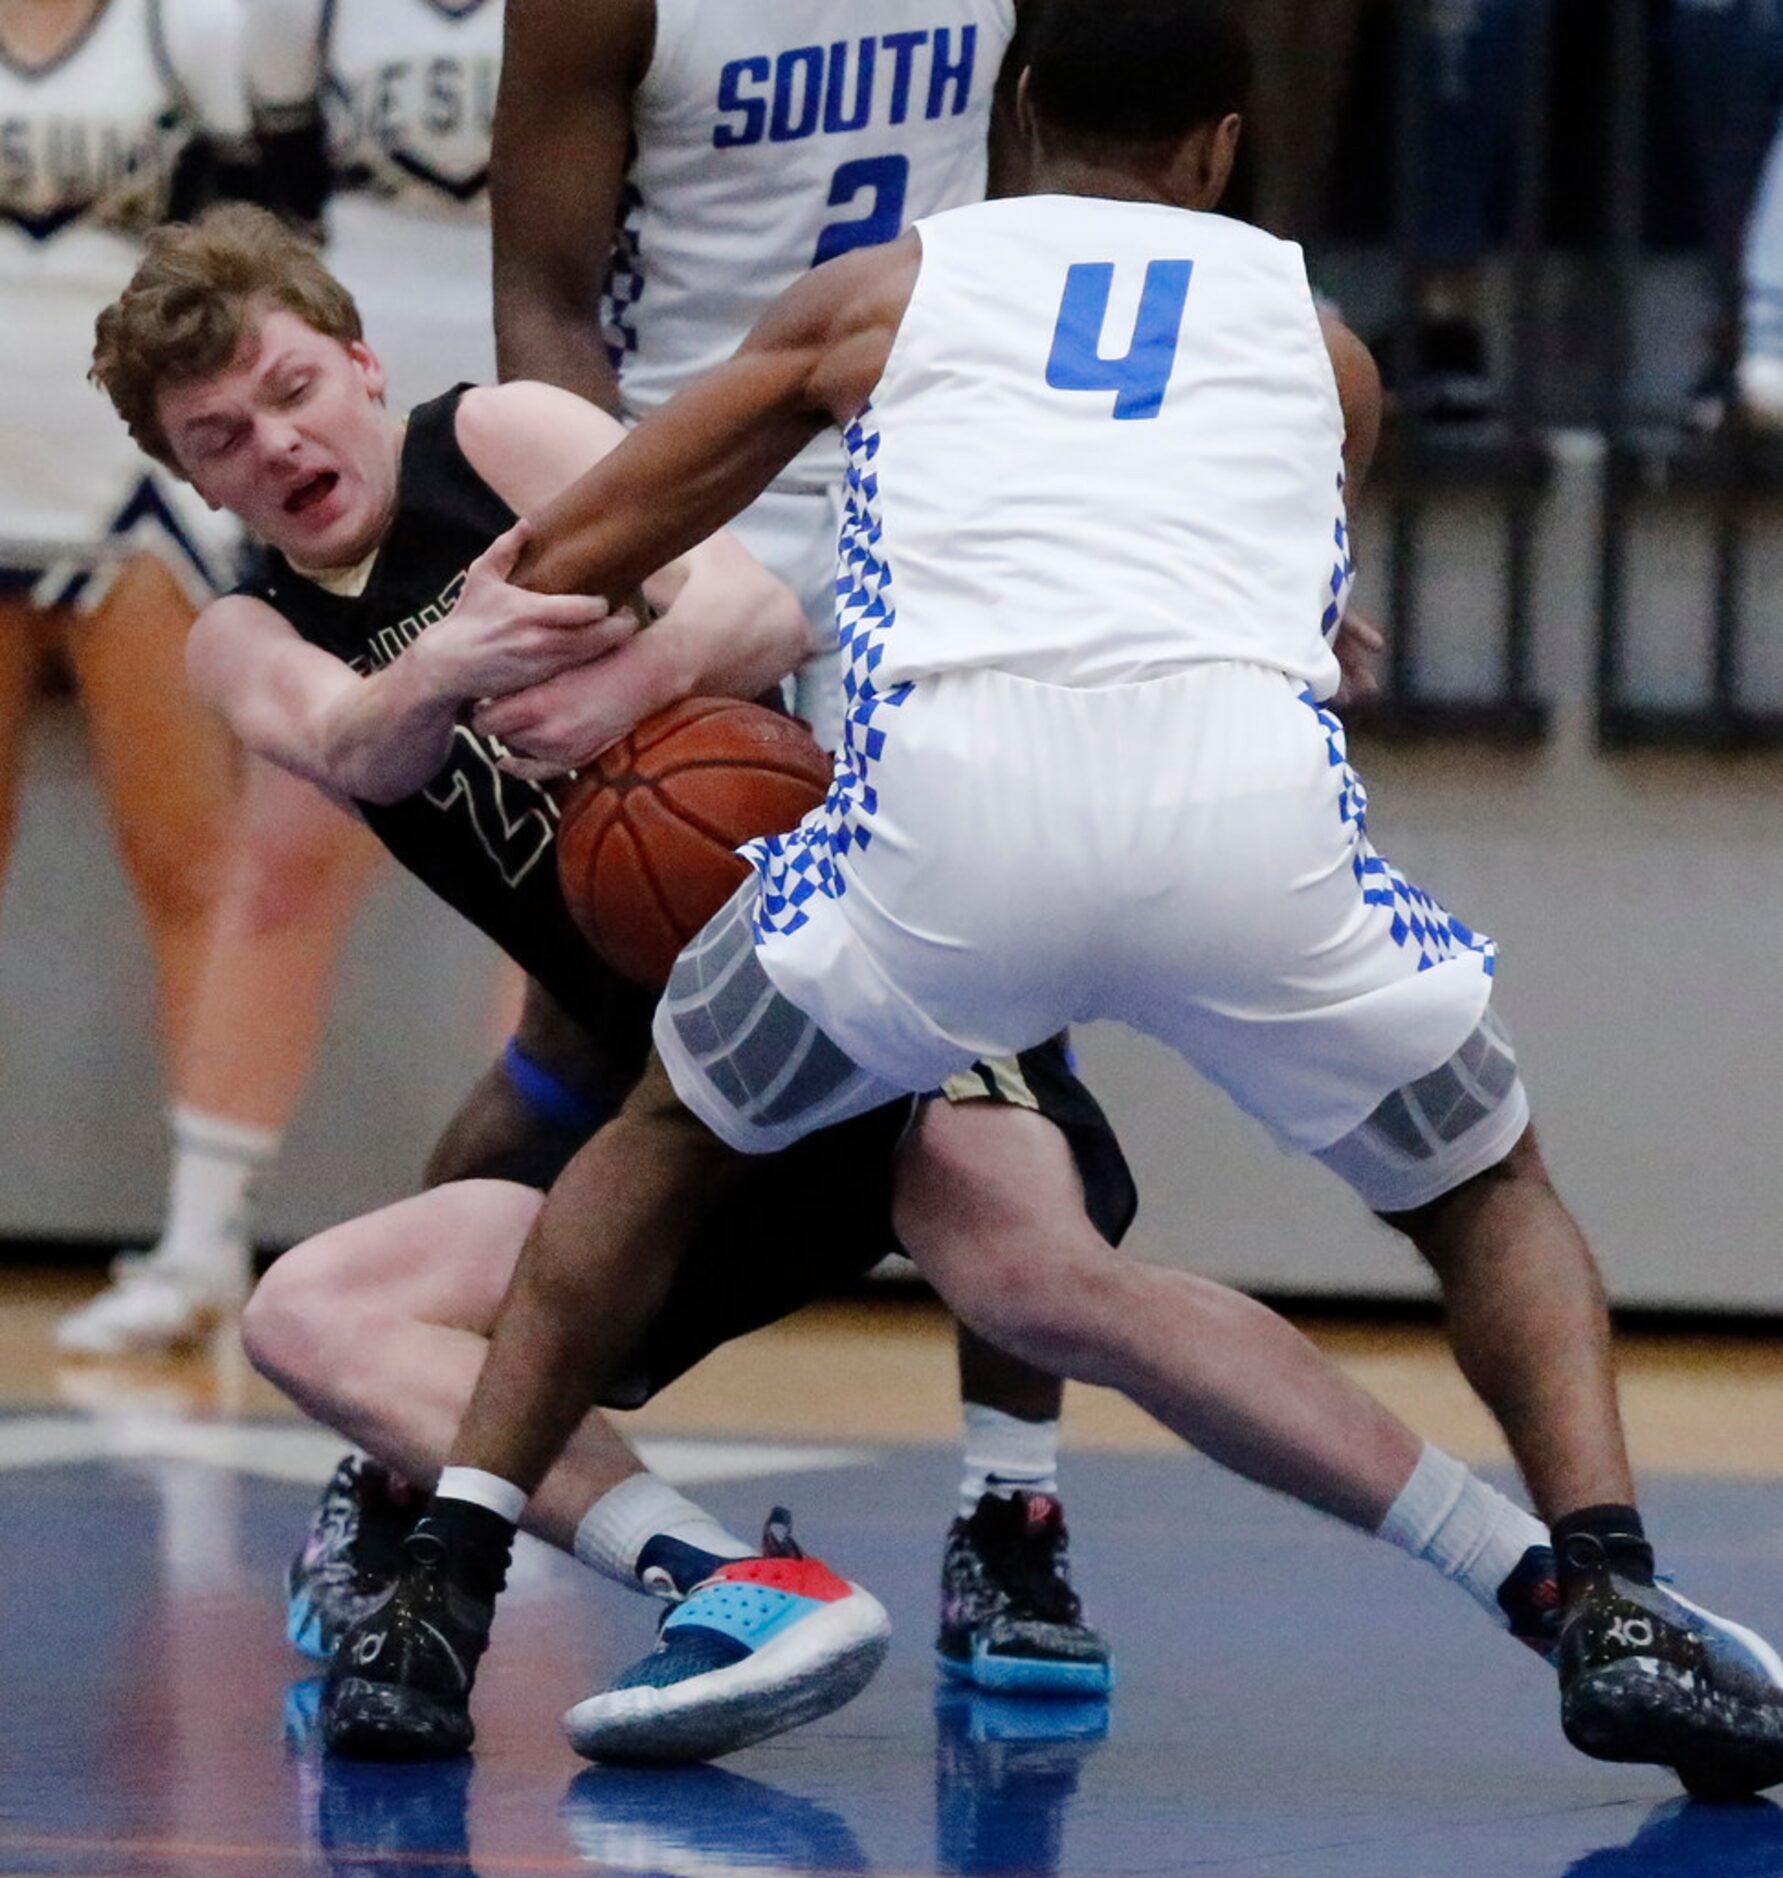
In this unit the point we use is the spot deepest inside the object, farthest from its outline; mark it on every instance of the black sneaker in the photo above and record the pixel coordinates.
(400, 1683)
(1645, 1675)
(1010, 1620)
(350, 1556)
(1530, 1599)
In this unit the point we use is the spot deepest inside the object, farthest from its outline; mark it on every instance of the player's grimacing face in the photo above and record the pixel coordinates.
(293, 438)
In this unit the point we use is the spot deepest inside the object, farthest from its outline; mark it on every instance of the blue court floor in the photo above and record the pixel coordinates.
(1292, 1700)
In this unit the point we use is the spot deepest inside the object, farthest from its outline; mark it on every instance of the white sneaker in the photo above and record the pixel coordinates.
(1760, 382)
(151, 1311)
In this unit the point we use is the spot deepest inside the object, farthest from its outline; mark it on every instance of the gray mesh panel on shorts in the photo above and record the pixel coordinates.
(778, 1075)
(1429, 1136)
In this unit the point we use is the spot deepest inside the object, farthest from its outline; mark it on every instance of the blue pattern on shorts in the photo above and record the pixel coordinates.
(1343, 574)
(1420, 922)
(797, 867)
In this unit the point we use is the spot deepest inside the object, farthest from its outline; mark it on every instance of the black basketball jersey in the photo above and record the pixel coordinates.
(483, 840)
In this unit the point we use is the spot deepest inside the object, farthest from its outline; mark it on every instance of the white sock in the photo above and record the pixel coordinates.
(210, 1194)
(1006, 1456)
(489, 1491)
(622, 1522)
(1447, 1516)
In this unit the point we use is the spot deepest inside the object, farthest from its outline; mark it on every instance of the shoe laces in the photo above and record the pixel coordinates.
(1027, 1561)
(360, 1525)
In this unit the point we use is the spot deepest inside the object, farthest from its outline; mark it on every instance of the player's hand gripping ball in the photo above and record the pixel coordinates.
(644, 847)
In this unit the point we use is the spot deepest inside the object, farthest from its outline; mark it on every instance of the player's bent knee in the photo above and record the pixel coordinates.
(293, 1324)
(1440, 1131)
(1047, 1303)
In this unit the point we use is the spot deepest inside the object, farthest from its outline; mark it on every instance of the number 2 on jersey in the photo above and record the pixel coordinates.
(889, 179)
(1140, 376)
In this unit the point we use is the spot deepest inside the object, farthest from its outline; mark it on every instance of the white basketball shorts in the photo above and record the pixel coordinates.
(1000, 858)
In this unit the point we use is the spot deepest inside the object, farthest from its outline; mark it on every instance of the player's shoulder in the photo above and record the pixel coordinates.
(856, 287)
(248, 609)
(231, 626)
(527, 439)
(525, 410)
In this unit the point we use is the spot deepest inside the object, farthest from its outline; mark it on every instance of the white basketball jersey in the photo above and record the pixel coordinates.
(88, 144)
(1107, 445)
(776, 134)
(407, 88)
(407, 91)
(89, 138)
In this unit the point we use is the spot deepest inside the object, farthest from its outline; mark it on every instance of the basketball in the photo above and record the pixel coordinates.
(645, 845)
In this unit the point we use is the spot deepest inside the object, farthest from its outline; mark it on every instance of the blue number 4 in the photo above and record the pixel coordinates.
(1140, 376)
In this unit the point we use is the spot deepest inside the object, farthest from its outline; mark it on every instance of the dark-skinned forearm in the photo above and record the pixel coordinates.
(678, 478)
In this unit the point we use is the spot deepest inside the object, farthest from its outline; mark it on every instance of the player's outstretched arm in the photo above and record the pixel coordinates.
(724, 625)
(728, 629)
(381, 737)
(562, 138)
(690, 467)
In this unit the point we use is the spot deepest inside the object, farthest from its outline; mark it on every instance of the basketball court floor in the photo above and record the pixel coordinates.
(1292, 1699)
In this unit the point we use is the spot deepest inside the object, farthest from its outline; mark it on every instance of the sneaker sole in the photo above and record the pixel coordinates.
(303, 1627)
(192, 1335)
(376, 1721)
(1647, 1711)
(822, 1662)
(1027, 1675)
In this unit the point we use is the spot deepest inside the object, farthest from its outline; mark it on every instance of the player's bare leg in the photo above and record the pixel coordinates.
(167, 770)
(378, 1328)
(989, 1208)
(293, 871)
(596, 1268)
(1646, 1676)
(169, 774)
(1530, 1328)
(22, 651)
(1011, 1619)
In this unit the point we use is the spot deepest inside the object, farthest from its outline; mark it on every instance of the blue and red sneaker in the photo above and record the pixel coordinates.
(760, 1646)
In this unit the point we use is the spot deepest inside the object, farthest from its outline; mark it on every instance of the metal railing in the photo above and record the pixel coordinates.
(1728, 476)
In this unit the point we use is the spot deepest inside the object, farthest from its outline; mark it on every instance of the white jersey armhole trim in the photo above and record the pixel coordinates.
(1318, 333)
(892, 358)
(670, 45)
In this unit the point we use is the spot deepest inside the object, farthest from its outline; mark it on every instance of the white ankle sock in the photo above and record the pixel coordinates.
(618, 1526)
(210, 1194)
(1449, 1517)
(1006, 1455)
(489, 1491)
